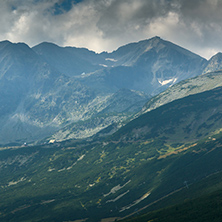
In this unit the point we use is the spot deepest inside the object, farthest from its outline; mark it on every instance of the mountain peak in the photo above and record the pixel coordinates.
(215, 63)
(155, 43)
(155, 38)
(5, 42)
(217, 56)
(14, 47)
(43, 44)
(148, 41)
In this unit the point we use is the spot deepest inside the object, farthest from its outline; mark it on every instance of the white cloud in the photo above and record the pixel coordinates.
(106, 24)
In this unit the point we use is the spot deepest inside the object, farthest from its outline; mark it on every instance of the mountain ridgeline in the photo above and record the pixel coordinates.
(48, 90)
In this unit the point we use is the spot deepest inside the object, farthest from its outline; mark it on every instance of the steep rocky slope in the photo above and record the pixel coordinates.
(69, 60)
(187, 87)
(214, 64)
(37, 100)
(150, 66)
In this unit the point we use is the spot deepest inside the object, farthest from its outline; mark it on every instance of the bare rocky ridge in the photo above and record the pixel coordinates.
(185, 88)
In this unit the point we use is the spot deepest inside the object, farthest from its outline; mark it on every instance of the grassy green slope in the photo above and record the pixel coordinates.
(206, 207)
(113, 178)
(110, 180)
(186, 119)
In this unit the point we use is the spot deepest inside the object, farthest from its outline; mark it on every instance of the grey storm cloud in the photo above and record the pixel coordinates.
(106, 24)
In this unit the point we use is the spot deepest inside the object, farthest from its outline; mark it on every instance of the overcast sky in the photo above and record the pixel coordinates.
(104, 25)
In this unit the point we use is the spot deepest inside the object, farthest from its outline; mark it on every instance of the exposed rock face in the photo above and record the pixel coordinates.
(214, 64)
(187, 87)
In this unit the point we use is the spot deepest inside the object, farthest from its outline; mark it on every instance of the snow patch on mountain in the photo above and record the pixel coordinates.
(112, 60)
(165, 82)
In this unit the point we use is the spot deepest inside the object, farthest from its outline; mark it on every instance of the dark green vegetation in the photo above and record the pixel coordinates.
(182, 120)
(206, 208)
(154, 157)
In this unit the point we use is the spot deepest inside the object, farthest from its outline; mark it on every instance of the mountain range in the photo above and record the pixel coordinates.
(61, 93)
(89, 136)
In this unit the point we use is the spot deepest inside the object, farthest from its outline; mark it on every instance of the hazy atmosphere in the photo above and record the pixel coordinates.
(104, 25)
